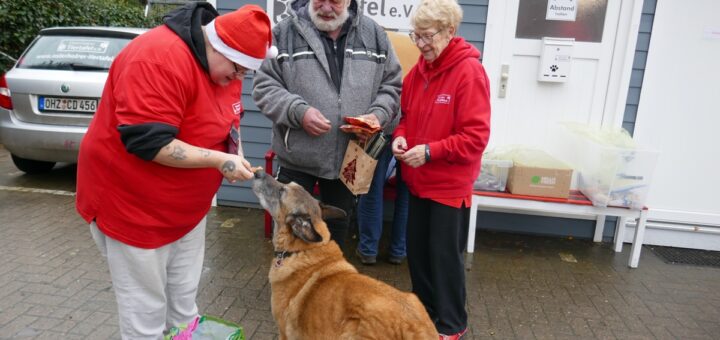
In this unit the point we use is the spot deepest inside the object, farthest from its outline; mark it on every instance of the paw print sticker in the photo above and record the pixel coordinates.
(554, 68)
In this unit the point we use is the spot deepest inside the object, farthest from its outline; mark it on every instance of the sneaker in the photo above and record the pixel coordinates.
(396, 260)
(456, 336)
(365, 259)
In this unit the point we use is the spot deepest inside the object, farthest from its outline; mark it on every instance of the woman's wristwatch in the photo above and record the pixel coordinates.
(427, 153)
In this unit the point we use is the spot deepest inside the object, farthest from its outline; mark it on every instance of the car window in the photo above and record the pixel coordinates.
(57, 52)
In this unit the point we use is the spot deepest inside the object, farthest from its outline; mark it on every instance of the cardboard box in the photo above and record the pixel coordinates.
(405, 50)
(534, 181)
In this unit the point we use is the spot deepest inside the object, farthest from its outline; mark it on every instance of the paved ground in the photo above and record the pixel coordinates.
(55, 285)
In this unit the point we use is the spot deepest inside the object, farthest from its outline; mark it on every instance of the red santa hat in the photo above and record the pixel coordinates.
(243, 36)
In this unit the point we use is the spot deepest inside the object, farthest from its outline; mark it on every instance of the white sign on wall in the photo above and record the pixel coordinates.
(563, 10)
(391, 14)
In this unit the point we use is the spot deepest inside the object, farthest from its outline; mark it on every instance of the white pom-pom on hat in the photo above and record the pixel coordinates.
(272, 52)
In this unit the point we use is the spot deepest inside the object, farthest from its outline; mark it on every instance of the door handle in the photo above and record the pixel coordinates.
(504, 76)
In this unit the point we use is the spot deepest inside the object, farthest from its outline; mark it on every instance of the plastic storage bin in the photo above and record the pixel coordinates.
(607, 174)
(493, 175)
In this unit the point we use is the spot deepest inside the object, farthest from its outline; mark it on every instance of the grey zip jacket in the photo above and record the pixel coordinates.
(299, 78)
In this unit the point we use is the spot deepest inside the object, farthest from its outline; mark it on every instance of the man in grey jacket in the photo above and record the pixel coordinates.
(332, 62)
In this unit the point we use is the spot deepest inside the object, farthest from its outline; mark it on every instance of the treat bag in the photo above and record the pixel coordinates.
(357, 169)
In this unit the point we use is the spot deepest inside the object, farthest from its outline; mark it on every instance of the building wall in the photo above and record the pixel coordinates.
(256, 129)
(572, 227)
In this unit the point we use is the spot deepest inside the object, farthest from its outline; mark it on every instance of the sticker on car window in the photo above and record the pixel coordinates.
(86, 46)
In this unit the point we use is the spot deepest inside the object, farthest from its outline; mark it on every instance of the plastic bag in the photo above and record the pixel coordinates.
(617, 137)
(493, 175)
(526, 156)
(207, 328)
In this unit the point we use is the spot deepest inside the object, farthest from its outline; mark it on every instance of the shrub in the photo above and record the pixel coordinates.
(21, 20)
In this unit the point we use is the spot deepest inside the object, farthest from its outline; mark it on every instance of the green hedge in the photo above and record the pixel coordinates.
(21, 20)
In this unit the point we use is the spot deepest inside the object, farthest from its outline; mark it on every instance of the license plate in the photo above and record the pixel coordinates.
(67, 104)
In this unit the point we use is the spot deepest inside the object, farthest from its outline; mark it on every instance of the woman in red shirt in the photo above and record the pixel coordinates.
(164, 137)
(441, 137)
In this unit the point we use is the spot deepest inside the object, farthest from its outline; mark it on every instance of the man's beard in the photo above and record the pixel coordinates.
(328, 26)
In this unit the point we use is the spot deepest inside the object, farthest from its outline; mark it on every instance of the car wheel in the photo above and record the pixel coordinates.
(30, 166)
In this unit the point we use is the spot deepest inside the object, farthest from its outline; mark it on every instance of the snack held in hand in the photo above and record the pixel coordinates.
(360, 125)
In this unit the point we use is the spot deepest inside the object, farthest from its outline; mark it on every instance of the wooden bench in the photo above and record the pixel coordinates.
(575, 206)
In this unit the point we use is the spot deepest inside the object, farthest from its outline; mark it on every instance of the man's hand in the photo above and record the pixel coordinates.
(373, 121)
(235, 167)
(371, 118)
(314, 123)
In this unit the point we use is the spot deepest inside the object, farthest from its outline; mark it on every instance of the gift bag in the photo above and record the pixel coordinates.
(206, 328)
(357, 169)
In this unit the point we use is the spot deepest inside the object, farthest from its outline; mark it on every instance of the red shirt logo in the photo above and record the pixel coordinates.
(443, 99)
(237, 108)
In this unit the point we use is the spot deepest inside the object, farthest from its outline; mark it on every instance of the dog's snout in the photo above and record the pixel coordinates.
(260, 174)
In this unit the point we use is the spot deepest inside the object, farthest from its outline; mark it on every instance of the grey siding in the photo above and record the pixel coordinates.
(638, 72)
(255, 128)
(474, 21)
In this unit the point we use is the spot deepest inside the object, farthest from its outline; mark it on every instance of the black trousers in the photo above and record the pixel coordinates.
(332, 192)
(436, 238)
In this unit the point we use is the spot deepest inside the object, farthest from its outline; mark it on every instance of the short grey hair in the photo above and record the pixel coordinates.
(437, 13)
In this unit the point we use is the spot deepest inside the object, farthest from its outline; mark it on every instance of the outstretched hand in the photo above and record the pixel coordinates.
(235, 167)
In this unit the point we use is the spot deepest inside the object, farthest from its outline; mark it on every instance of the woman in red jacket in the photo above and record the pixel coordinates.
(441, 137)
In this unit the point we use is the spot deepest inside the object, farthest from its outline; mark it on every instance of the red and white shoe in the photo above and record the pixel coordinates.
(456, 336)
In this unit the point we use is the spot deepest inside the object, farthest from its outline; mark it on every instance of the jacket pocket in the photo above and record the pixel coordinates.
(286, 140)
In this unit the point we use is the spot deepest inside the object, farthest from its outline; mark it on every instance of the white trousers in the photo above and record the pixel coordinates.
(155, 288)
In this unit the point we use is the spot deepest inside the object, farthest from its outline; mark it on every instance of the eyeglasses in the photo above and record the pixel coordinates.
(239, 71)
(426, 38)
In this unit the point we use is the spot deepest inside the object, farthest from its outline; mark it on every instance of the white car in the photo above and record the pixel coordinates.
(49, 97)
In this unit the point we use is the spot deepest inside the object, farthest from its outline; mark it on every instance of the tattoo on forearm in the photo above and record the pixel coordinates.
(178, 153)
(204, 153)
(228, 166)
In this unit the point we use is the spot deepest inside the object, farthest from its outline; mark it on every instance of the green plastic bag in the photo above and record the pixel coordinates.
(207, 328)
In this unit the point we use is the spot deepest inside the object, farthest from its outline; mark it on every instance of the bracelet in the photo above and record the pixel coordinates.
(427, 153)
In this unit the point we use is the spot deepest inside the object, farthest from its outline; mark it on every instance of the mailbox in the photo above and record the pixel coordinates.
(555, 59)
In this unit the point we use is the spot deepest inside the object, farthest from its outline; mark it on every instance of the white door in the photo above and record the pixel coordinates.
(513, 43)
(679, 114)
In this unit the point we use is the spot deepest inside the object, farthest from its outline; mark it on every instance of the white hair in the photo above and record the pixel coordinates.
(439, 14)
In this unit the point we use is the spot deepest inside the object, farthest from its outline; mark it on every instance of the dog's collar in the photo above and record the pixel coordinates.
(281, 255)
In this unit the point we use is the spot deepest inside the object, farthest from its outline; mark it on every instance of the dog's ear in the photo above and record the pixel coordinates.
(303, 228)
(329, 212)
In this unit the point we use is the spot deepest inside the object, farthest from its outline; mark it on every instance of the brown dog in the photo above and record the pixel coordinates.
(316, 293)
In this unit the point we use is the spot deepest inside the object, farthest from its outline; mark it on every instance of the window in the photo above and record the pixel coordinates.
(72, 53)
(588, 25)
